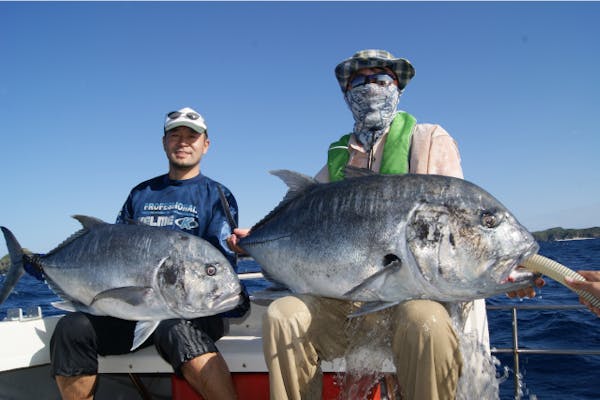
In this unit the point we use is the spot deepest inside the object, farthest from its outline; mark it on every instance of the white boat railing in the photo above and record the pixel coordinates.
(250, 275)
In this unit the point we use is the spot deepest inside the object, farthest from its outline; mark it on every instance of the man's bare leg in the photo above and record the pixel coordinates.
(209, 375)
(76, 387)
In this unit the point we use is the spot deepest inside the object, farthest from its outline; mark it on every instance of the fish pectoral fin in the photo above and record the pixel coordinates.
(373, 306)
(133, 295)
(369, 288)
(143, 330)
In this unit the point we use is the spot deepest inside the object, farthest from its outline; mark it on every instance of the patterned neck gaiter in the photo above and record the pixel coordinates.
(373, 108)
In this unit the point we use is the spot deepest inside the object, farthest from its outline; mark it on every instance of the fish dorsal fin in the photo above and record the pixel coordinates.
(297, 184)
(295, 181)
(89, 222)
(355, 172)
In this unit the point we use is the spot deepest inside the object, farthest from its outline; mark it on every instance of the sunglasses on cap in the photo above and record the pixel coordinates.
(380, 78)
(176, 114)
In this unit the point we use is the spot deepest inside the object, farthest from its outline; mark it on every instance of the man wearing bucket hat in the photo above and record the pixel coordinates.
(300, 331)
(188, 345)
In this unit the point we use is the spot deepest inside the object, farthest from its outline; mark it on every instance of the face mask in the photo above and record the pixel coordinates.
(373, 107)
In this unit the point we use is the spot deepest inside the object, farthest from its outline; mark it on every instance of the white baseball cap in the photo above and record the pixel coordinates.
(186, 117)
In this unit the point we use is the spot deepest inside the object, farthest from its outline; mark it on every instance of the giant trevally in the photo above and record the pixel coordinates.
(384, 239)
(133, 272)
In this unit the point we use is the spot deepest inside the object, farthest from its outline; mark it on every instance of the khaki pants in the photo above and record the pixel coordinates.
(299, 331)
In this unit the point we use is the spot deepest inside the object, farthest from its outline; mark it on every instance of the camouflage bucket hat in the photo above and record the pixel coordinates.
(374, 58)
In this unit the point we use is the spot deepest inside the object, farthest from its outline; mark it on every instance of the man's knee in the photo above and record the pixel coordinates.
(179, 341)
(423, 313)
(73, 347)
(285, 308)
(72, 328)
(424, 321)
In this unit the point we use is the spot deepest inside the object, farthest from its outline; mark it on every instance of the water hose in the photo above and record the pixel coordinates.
(558, 272)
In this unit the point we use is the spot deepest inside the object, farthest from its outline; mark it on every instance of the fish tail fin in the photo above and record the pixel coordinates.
(16, 270)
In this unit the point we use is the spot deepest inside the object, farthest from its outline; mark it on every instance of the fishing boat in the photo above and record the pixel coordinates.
(25, 370)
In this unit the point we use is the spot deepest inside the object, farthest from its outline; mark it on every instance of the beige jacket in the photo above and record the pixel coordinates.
(432, 151)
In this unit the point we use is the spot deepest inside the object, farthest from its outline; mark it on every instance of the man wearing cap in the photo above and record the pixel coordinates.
(183, 199)
(299, 331)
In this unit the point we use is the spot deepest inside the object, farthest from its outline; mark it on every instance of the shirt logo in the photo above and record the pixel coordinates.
(186, 223)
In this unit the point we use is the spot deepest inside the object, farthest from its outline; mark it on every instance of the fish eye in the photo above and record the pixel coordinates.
(489, 219)
(211, 270)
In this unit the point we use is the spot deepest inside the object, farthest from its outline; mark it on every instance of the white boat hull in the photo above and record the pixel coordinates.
(25, 373)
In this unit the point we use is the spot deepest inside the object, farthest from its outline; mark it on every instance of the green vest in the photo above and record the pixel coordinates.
(395, 150)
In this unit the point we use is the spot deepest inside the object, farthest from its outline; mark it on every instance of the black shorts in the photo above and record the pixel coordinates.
(79, 338)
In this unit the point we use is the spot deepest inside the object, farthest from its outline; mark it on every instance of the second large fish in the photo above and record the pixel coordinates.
(133, 272)
(385, 239)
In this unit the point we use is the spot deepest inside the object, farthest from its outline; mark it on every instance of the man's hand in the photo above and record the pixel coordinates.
(232, 241)
(528, 291)
(591, 285)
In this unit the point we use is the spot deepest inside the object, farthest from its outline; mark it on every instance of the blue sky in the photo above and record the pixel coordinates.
(84, 88)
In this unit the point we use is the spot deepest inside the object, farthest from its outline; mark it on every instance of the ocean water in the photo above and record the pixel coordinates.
(552, 376)
(541, 376)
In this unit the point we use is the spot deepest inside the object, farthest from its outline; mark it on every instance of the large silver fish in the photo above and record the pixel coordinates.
(384, 239)
(133, 272)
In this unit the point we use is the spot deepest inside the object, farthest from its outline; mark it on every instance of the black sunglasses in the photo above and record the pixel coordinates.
(380, 78)
(177, 114)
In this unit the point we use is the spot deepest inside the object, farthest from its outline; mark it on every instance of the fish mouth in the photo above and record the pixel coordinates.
(213, 307)
(229, 303)
(516, 273)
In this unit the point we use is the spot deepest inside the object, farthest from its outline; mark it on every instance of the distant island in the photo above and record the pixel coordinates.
(548, 235)
(4, 264)
(554, 234)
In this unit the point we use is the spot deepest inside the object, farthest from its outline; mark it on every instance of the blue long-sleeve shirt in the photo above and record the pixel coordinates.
(191, 205)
